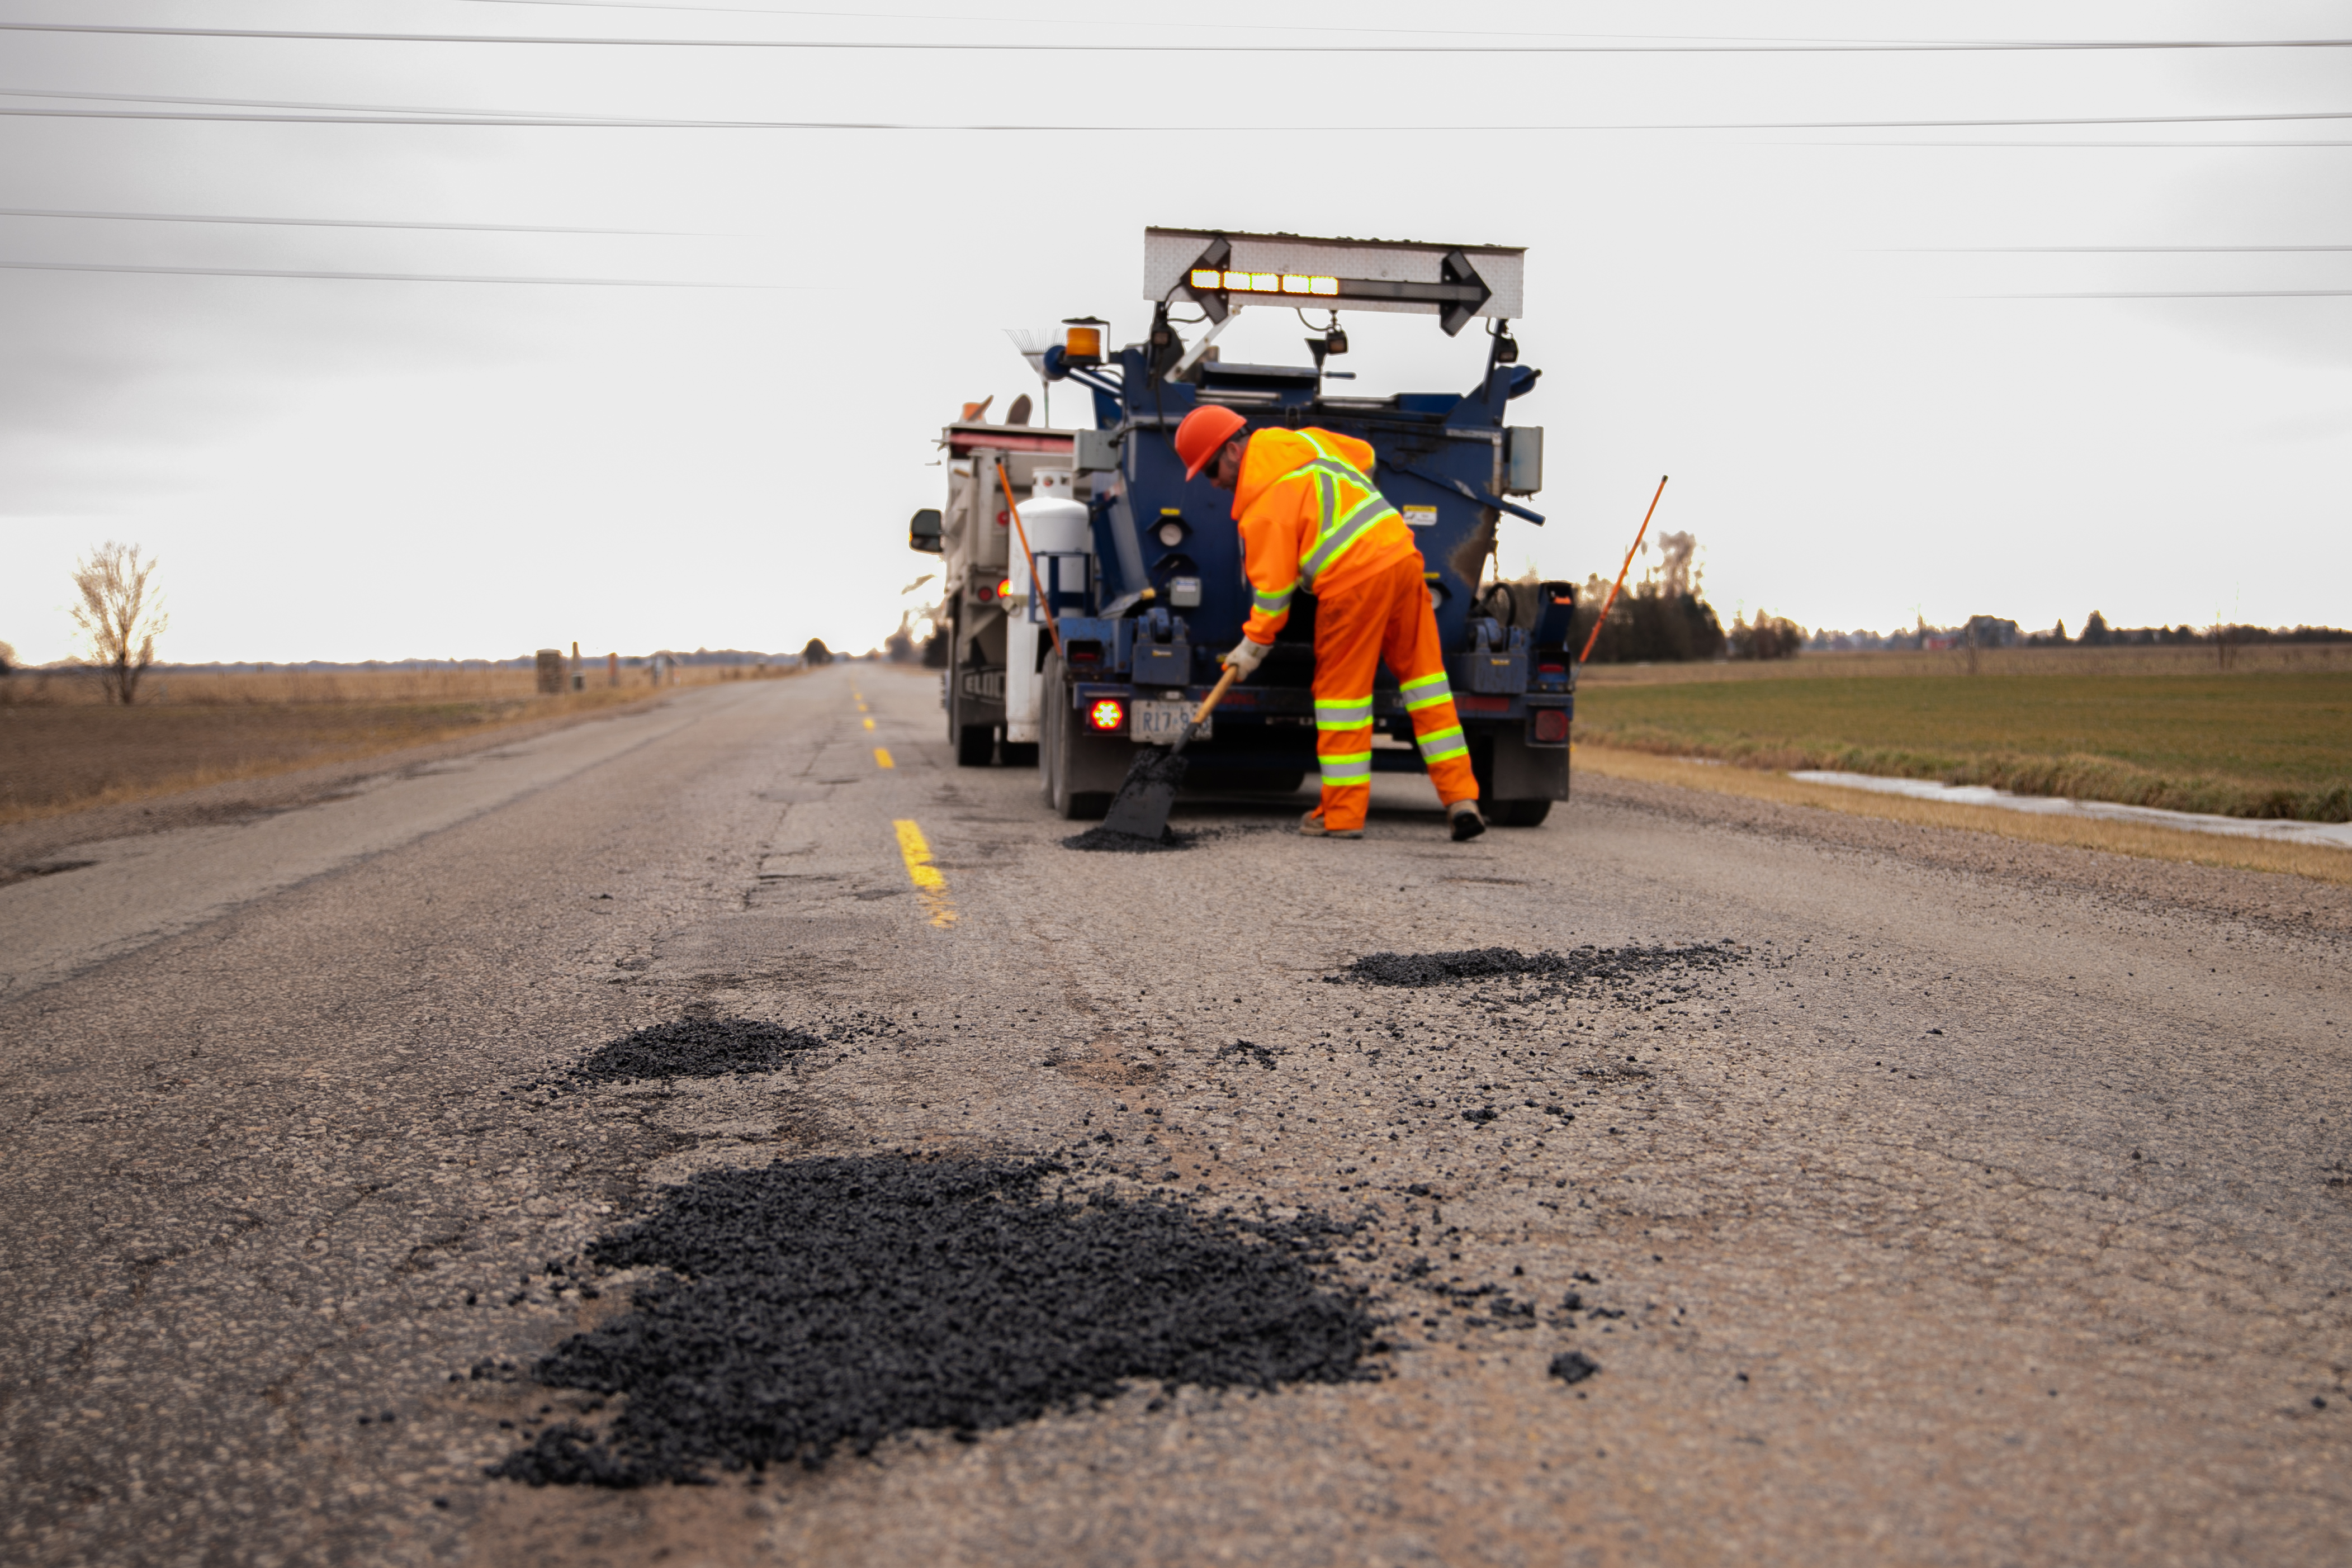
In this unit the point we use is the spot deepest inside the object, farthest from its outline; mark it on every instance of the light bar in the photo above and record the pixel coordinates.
(1210, 278)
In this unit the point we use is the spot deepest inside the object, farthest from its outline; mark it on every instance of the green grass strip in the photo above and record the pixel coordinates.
(2259, 746)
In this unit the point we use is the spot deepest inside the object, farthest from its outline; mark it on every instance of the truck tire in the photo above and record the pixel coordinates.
(975, 744)
(1058, 749)
(1509, 772)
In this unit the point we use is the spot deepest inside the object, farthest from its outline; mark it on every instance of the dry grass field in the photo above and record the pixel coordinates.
(62, 748)
(2269, 739)
(2273, 658)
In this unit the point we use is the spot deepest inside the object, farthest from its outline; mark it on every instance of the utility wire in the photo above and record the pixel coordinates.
(377, 277)
(1947, 142)
(522, 120)
(249, 102)
(925, 46)
(319, 223)
(2187, 294)
(1357, 30)
(2100, 250)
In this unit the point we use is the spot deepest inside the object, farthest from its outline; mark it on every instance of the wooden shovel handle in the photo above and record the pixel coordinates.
(1232, 672)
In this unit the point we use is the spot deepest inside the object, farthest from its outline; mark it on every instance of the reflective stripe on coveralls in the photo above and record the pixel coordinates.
(1436, 745)
(1341, 769)
(1337, 532)
(1386, 617)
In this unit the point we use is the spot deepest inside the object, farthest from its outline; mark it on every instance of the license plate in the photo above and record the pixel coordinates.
(1160, 720)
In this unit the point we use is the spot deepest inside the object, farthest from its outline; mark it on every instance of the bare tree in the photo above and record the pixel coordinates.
(119, 614)
(1676, 572)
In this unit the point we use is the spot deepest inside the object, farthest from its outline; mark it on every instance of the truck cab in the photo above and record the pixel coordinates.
(1092, 588)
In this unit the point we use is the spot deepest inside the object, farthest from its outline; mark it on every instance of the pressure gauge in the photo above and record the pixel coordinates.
(1172, 533)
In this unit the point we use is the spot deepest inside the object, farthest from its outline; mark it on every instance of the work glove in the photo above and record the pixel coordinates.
(1247, 656)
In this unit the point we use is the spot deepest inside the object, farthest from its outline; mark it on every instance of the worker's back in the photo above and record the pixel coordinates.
(1279, 503)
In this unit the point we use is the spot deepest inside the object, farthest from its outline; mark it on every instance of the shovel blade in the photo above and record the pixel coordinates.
(1144, 800)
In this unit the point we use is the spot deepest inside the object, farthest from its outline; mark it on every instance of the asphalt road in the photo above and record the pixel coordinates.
(1992, 1205)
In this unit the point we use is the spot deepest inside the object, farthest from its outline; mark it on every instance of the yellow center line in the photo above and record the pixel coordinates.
(930, 887)
(882, 758)
(870, 724)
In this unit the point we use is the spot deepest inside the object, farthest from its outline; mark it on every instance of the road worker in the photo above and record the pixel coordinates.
(1312, 519)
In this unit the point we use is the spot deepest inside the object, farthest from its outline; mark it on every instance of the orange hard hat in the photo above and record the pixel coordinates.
(1203, 434)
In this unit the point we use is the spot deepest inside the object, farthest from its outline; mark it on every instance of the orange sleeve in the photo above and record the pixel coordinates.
(1271, 550)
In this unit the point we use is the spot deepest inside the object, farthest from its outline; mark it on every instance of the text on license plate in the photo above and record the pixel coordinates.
(1160, 720)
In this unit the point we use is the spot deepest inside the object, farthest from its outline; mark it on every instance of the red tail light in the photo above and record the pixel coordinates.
(1551, 724)
(1106, 715)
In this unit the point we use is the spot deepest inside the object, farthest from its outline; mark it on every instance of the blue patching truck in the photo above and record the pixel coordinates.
(1091, 588)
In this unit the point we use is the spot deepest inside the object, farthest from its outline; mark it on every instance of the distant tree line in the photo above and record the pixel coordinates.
(1664, 618)
(1994, 632)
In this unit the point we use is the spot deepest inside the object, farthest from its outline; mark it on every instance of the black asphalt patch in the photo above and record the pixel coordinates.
(695, 1048)
(1578, 967)
(1573, 1366)
(1103, 840)
(815, 1302)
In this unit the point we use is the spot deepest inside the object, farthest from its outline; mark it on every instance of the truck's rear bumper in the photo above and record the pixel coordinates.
(1270, 702)
(1272, 727)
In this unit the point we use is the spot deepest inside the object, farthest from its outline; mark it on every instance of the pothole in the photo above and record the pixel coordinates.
(807, 1305)
(1104, 841)
(1579, 967)
(694, 1047)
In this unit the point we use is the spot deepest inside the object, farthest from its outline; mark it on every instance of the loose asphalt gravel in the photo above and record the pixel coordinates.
(700, 1047)
(1925, 1196)
(815, 1302)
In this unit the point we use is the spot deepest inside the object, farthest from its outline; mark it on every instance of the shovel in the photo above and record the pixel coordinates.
(1142, 807)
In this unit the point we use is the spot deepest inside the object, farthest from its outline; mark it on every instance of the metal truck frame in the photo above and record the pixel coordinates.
(1144, 612)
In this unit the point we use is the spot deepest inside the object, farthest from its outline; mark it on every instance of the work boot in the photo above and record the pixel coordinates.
(1466, 821)
(1312, 826)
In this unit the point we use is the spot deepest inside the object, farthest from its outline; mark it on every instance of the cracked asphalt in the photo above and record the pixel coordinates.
(1990, 1205)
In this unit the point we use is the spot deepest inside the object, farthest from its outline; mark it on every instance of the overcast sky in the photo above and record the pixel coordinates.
(1789, 322)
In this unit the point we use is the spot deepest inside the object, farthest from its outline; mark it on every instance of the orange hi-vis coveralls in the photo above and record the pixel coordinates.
(1311, 518)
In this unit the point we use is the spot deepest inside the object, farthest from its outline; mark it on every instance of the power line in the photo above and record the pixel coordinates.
(2102, 249)
(321, 222)
(928, 45)
(2186, 294)
(376, 276)
(1948, 142)
(249, 102)
(1356, 29)
(523, 120)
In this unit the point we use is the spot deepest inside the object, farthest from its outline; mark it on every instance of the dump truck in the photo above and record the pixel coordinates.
(1092, 588)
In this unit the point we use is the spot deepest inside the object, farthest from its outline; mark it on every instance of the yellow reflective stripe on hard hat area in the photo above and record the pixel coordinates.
(1426, 692)
(1343, 768)
(1351, 714)
(1440, 744)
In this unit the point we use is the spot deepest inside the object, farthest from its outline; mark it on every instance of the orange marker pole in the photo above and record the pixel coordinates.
(1014, 512)
(1611, 602)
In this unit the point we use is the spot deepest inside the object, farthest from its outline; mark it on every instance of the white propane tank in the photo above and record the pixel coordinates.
(1060, 538)
(1054, 517)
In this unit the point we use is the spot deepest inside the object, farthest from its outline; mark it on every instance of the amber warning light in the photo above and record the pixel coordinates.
(1082, 340)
